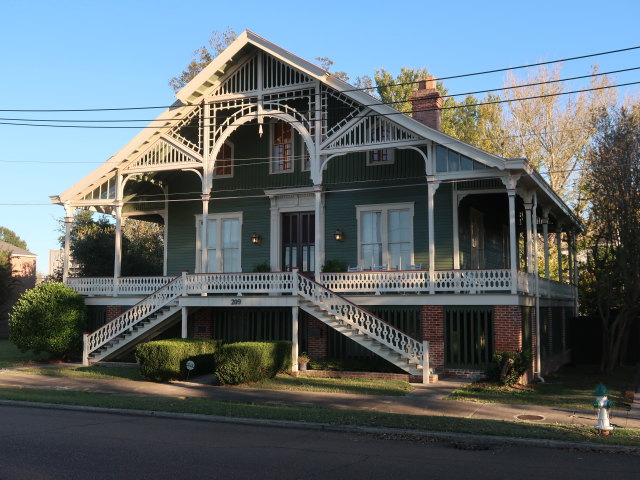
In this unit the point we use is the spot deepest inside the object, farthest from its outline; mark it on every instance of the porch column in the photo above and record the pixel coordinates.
(545, 240)
(559, 247)
(570, 259)
(432, 187)
(68, 222)
(203, 233)
(185, 317)
(294, 339)
(117, 261)
(117, 258)
(319, 228)
(456, 228)
(513, 244)
(165, 239)
(528, 205)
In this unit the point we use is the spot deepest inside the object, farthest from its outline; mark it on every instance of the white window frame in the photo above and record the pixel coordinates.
(219, 217)
(292, 158)
(229, 144)
(384, 209)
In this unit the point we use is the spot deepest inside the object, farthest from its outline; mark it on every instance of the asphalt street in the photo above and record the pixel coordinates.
(36, 443)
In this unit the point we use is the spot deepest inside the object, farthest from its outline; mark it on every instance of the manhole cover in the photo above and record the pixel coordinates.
(530, 417)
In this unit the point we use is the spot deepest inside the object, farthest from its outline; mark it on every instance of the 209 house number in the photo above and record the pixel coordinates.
(236, 301)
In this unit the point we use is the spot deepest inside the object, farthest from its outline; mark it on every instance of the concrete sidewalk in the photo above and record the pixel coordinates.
(424, 400)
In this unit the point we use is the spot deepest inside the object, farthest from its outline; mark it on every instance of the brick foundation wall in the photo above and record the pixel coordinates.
(112, 311)
(507, 327)
(202, 324)
(432, 317)
(317, 338)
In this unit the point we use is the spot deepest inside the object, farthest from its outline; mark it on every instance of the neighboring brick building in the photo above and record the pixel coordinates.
(22, 277)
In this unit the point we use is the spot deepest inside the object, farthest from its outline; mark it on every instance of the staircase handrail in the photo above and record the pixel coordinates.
(133, 315)
(364, 320)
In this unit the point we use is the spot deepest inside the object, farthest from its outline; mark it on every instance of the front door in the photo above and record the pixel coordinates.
(298, 241)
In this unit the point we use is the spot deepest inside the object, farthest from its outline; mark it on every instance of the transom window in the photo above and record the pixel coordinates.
(385, 235)
(223, 242)
(224, 161)
(282, 148)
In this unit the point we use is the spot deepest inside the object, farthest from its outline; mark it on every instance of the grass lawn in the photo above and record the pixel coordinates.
(10, 356)
(574, 433)
(570, 387)
(92, 372)
(334, 385)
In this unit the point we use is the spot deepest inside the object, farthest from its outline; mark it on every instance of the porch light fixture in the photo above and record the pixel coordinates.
(338, 235)
(256, 239)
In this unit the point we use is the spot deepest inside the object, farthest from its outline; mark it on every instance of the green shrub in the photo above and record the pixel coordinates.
(262, 267)
(49, 318)
(334, 265)
(165, 360)
(245, 362)
(508, 367)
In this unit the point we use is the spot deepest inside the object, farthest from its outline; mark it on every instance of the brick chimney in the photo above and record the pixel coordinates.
(426, 102)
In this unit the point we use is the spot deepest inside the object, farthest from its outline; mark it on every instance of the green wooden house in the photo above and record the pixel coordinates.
(296, 206)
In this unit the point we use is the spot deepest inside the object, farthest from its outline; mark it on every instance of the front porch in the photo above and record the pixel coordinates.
(464, 282)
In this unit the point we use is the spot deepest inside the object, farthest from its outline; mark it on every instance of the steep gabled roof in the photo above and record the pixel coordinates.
(209, 78)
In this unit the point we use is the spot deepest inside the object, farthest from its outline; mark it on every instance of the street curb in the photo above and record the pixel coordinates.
(454, 438)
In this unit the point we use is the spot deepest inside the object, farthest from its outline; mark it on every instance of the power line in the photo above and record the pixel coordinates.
(302, 111)
(300, 121)
(451, 77)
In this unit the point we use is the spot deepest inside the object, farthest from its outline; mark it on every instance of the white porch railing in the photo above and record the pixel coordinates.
(240, 283)
(472, 281)
(360, 319)
(133, 315)
(368, 283)
(124, 285)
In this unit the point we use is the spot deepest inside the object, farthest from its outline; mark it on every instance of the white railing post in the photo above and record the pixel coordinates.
(184, 283)
(425, 362)
(85, 349)
(294, 281)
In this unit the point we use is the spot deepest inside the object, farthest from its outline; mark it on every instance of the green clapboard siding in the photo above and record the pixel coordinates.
(340, 212)
(443, 227)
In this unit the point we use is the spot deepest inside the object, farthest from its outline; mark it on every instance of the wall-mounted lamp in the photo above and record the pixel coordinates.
(256, 239)
(338, 235)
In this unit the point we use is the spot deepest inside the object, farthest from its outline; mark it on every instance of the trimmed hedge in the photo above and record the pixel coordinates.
(164, 360)
(245, 362)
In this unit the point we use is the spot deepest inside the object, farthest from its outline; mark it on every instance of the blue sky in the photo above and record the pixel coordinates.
(83, 54)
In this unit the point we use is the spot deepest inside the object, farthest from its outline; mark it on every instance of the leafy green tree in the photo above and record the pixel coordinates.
(11, 237)
(5, 276)
(93, 246)
(48, 318)
(203, 56)
(326, 63)
(613, 191)
(395, 91)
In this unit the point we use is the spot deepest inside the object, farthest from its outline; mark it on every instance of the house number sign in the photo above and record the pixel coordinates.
(236, 301)
(190, 365)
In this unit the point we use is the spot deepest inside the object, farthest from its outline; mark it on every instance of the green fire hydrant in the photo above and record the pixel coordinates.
(602, 404)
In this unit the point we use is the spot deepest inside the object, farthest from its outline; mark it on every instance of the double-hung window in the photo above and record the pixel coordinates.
(224, 161)
(282, 148)
(223, 242)
(385, 235)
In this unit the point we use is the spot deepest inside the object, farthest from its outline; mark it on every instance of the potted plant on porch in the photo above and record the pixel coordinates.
(303, 361)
